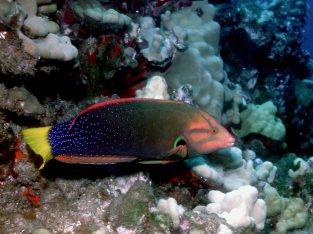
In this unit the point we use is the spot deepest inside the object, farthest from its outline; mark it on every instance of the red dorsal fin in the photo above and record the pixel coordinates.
(117, 101)
(88, 159)
(112, 102)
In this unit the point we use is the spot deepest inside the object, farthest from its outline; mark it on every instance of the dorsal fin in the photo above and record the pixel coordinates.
(112, 102)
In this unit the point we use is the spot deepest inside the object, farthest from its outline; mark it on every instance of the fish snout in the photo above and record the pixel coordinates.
(230, 141)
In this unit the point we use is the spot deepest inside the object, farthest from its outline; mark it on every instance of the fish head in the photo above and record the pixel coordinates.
(203, 137)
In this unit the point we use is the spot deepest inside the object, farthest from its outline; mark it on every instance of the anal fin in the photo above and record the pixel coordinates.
(175, 154)
(94, 159)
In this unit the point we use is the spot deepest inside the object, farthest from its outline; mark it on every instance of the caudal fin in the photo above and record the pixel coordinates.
(37, 139)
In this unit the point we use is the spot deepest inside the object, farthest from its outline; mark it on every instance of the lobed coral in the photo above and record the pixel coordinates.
(240, 208)
(51, 47)
(291, 212)
(38, 34)
(199, 64)
(156, 87)
(261, 119)
(19, 100)
(93, 10)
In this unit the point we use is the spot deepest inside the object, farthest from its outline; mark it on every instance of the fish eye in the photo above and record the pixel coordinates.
(179, 141)
(214, 130)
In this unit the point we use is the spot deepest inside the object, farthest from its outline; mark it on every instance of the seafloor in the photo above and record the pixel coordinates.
(246, 63)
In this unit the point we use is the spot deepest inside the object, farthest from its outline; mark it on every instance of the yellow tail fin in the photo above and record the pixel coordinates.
(37, 139)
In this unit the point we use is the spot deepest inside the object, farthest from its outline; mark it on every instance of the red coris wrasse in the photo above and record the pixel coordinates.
(129, 129)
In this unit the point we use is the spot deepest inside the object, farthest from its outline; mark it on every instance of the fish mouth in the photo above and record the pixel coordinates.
(230, 142)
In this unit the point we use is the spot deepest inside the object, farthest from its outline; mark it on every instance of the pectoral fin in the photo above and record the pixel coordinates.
(179, 152)
(173, 155)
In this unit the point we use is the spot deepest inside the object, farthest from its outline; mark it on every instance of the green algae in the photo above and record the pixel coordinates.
(132, 208)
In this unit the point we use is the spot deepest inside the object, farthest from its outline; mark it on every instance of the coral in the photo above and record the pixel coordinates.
(230, 158)
(178, 49)
(272, 32)
(240, 208)
(303, 91)
(199, 64)
(51, 47)
(74, 205)
(201, 34)
(291, 212)
(100, 58)
(286, 185)
(183, 94)
(7, 7)
(223, 168)
(184, 220)
(19, 100)
(294, 216)
(13, 59)
(197, 221)
(232, 113)
(41, 231)
(11, 14)
(274, 201)
(236, 178)
(92, 9)
(252, 24)
(47, 44)
(160, 48)
(7, 146)
(203, 168)
(36, 26)
(301, 168)
(169, 206)
(156, 87)
(129, 210)
(266, 172)
(261, 119)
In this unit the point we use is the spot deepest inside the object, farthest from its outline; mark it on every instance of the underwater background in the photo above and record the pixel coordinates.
(245, 67)
(308, 30)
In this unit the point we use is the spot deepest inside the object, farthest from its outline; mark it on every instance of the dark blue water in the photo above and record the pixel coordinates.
(308, 36)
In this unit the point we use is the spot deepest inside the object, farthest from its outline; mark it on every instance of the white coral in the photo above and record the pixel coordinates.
(169, 206)
(156, 88)
(241, 208)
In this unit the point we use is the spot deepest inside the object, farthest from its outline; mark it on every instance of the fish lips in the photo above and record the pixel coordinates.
(230, 142)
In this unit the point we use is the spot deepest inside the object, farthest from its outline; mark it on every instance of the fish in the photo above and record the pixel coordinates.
(130, 129)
